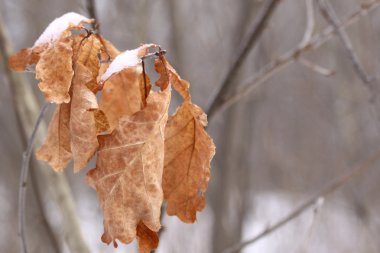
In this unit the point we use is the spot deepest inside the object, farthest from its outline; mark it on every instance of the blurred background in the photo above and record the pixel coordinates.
(303, 126)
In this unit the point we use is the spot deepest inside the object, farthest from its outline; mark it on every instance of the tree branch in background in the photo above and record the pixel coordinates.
(310, 23)
(91, 10)
(330, 15)
(24, 178)
(258, 28)
(51, 186)
(291, 56)
(329, 189)
(316, 68)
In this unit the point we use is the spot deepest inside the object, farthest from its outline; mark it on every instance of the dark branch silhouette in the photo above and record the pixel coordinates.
(257, 30)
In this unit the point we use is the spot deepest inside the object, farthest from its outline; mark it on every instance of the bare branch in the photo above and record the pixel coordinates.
(5, 51)
(309, 25)
(257, 30)
(50, 185)
(316, 210)
(91, 9)
(24, 178)
(291, 56)
(329, 189)
(330, 15)
(307, 38)
(316, 68)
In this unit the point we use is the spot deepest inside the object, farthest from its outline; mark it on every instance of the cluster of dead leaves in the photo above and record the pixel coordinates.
(144, 156)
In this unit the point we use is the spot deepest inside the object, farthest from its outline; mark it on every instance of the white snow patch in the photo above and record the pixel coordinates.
(59, 25)
(124, 60)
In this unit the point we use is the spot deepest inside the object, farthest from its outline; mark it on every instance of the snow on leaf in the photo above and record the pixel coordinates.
(121, 95)
(85, 120)
(127, 59)
(142, 156)
(55, 43)
(55, 75)
(54, 30)
(124, 91)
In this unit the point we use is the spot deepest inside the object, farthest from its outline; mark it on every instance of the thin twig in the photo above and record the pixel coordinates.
(289, 57)
(18, 80)
(316, 210)
(48, 184)
(24, 179)
(330, 15)
(257, 30)
(332, 187)
(316, 68)
(310, 23)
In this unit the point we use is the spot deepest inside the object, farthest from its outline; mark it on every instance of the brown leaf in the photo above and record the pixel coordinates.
(57, 150)
(128, 173)
(52, 54)
(85, 121)
(125, 91)
(26, 57)
(83, 127)
(188, 153)
(148, 240)
(101, 121)
(88, 56)
(55, 75)
(121, 95)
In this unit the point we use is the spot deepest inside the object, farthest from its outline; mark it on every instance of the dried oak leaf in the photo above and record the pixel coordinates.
(188, 153)
(54, 71)
(27, 56)
(124, 93)
(85, 120)
(54, 43)
(128, 173)
(148, 239)
(83, 127)
(121, 95)
(56, 149)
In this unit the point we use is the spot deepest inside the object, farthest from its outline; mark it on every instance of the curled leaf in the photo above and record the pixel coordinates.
(56, 150)
(124, 87)
(188, 153)
(83, 127)
(85, 120)
(27, 56)
(55, 75)
(52, 53)
(121, 95)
